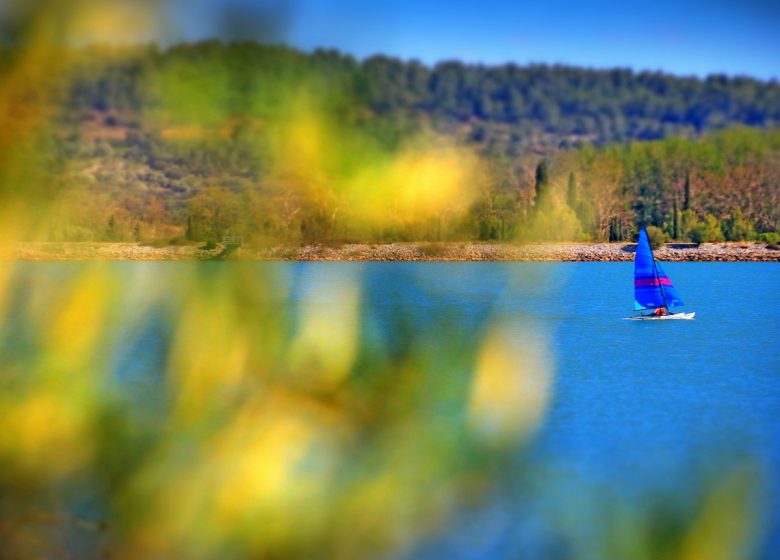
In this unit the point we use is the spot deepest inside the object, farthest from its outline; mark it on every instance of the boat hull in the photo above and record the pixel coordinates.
(672, 317)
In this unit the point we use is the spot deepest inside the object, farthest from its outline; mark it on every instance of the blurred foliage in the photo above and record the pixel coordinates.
(238, 410)
(202, 411)
(194, 412)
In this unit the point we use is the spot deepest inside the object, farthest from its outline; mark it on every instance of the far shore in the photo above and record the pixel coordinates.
(434, 251)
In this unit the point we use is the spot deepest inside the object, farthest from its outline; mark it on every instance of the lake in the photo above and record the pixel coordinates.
(639, 409)
(637, 424)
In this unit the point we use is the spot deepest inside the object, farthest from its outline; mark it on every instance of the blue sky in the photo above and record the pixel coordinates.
(684, 37)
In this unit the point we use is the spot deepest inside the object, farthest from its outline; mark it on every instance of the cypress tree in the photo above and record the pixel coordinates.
(189, 234)
(542, 182)
(675, 222)
(111, 228)
(687, 199)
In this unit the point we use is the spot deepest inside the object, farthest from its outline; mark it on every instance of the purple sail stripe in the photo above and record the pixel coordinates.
(652, 282)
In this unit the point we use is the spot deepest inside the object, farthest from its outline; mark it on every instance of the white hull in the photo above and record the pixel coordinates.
(672, 317)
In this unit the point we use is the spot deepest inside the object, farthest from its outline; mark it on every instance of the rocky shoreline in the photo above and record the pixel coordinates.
(450, 251)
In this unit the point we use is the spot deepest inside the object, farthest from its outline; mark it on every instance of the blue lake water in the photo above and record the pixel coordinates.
(639, 409)
(641, 414)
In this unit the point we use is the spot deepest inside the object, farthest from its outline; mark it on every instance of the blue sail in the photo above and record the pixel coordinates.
(652, 287)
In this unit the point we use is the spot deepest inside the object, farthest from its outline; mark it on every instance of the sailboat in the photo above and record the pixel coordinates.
(652, 287)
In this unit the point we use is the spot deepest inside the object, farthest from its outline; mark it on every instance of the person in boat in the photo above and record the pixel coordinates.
(661, 311)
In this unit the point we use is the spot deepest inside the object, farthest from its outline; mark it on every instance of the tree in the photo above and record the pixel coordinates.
(155, 212)
(214, 212)
(707, 231)
(111, 229)
(737, 228)
(687, 200)
(542, 183)
(605, 175)
(189, 234)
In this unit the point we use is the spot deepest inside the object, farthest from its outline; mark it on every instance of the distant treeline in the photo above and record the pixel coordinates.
(204, 140)
(508, 109)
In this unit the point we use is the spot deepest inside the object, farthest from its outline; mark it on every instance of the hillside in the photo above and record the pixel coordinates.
(506, 108)
(276, 144)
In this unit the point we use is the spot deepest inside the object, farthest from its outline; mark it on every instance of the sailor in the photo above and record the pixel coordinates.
(660, 311)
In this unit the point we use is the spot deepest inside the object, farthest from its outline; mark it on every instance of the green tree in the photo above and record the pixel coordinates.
(214, 213)
(738, 228)
(688, 221)
(542, 184)
(552, 224)
(189, 234)
(111, 229)
(707, 231)
(687, 199)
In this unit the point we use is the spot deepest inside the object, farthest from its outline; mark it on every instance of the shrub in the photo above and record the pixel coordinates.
(656, 236)
(556, 224)
(738, 228)
(707, 231)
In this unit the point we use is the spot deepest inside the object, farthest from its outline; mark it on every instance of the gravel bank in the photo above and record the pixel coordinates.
(597, 252)
(563, 252)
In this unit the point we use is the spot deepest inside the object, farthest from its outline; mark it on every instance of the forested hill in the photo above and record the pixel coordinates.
(204, 140)
(508, 109)
(558, 105)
